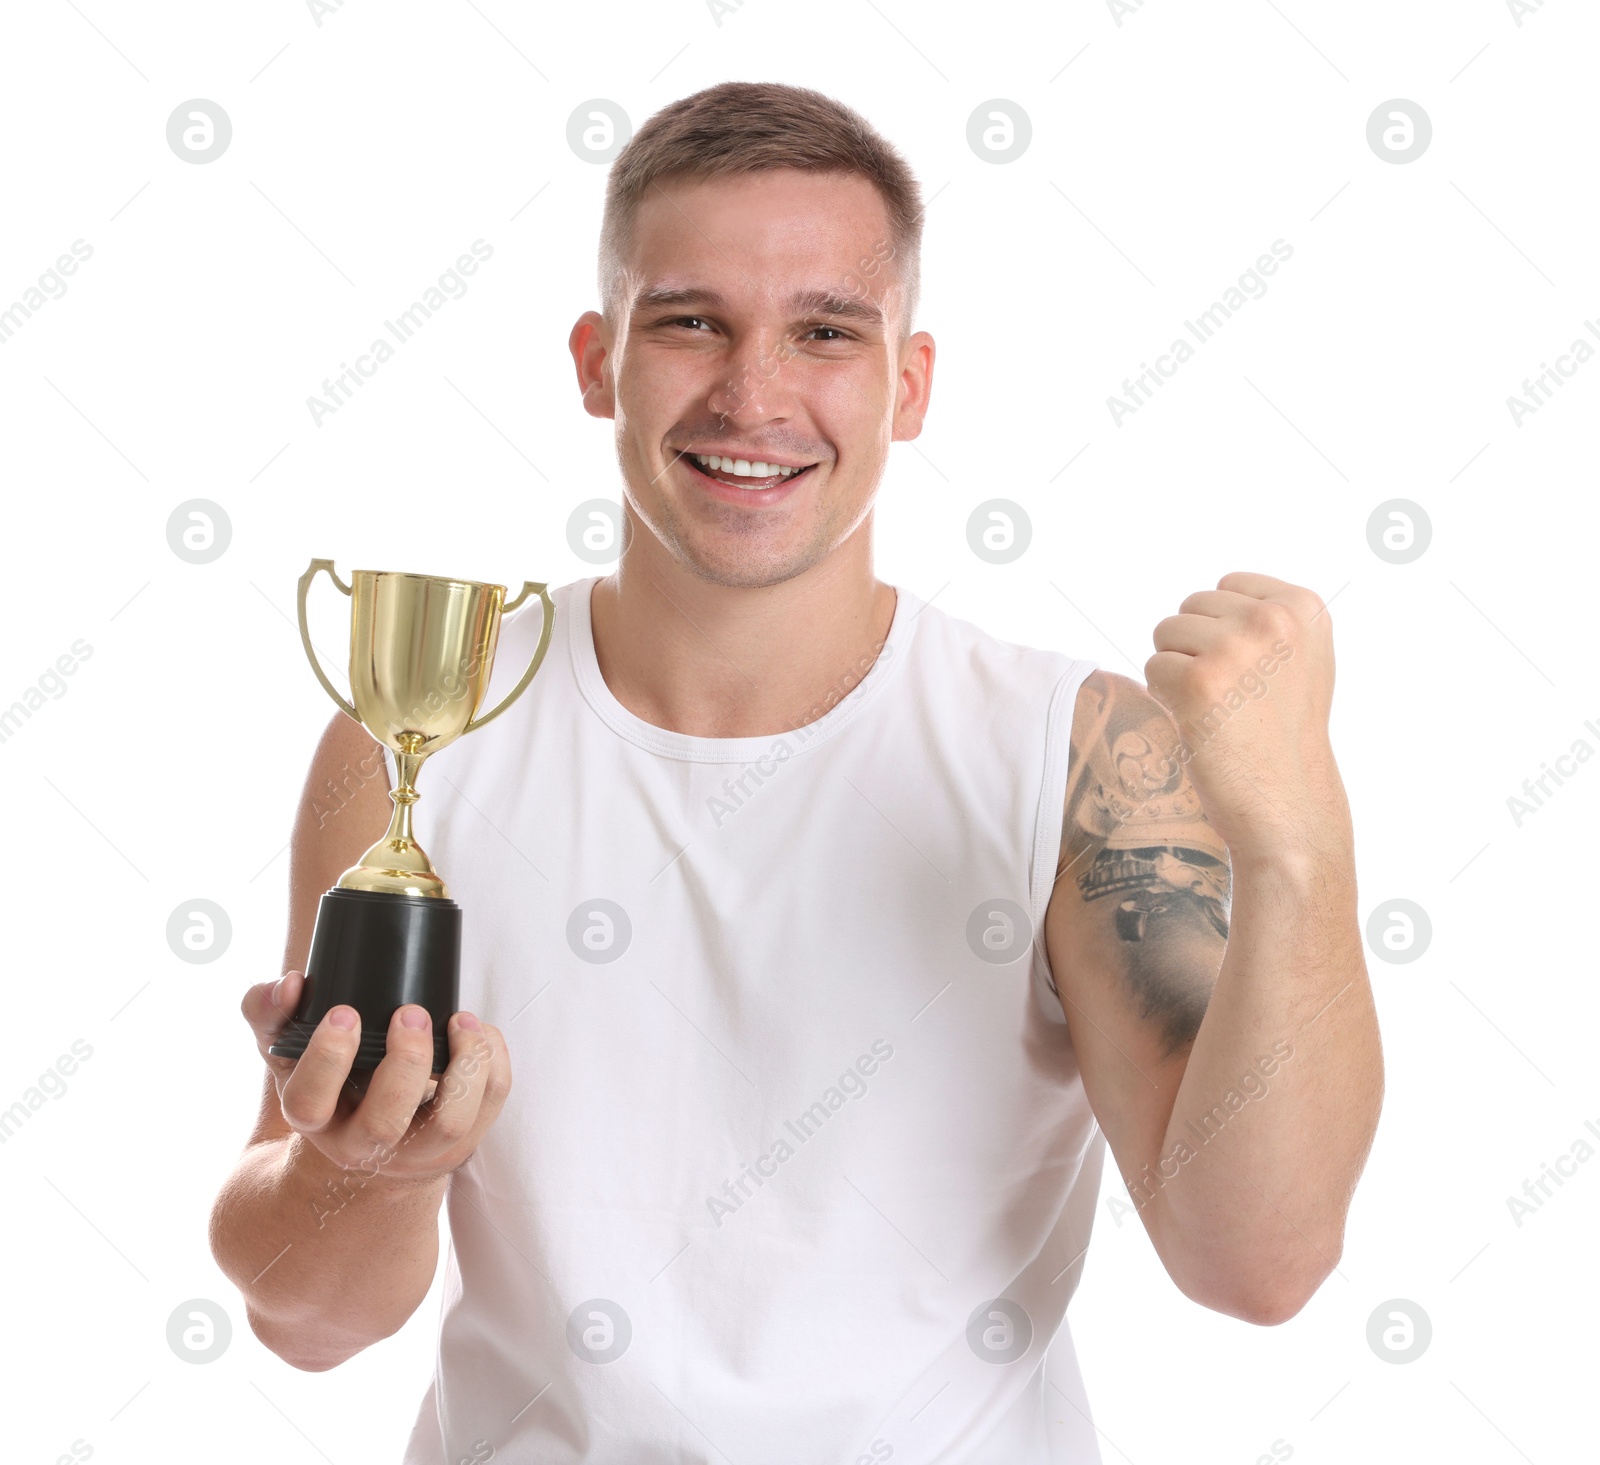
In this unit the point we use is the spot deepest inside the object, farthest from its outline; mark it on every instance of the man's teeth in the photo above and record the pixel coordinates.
(744, 468)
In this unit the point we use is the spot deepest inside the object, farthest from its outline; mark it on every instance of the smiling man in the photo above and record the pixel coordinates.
(828, 939)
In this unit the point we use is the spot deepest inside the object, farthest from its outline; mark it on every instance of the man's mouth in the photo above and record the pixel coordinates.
(744, 472)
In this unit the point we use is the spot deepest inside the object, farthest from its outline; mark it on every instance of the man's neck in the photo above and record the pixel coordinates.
(721, 661)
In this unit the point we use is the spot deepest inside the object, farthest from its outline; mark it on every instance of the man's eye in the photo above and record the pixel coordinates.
(697, 322)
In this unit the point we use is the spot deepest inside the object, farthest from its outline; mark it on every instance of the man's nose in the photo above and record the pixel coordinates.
(757, 383)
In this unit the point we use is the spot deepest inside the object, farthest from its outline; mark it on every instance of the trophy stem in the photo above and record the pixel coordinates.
(403, 796)
(397, 864)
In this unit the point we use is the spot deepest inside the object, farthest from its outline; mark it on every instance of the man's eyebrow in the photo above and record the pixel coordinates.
(659, 295)
(830, 302)
(806, 303)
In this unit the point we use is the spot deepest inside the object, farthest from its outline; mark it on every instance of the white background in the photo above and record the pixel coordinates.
(1168, 152)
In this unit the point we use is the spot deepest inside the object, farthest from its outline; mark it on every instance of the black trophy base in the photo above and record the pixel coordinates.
(376, 952)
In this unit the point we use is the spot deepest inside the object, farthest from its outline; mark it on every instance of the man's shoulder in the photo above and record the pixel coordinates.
(976, 650)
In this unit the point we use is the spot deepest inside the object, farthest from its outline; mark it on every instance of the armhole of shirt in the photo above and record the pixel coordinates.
(1050, 817)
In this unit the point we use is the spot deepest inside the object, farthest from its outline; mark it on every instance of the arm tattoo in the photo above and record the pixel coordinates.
(1156, 877)
(1136, 836)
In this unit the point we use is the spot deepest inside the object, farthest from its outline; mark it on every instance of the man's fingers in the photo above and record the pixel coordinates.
(267, 1007)
(456, 1106)
(1165, 674)
(384, 1127)
(479, 1051)
(1213, 618)
(310, 1094)
(1190, 634)
(1248, 582)
(1269, 588)
(498, 1086)
(1217, 603)
(397, 1086)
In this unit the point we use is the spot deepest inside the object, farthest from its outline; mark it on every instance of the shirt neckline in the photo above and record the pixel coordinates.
(664, 741)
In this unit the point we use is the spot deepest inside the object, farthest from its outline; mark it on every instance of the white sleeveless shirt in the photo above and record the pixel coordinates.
(797, 1167)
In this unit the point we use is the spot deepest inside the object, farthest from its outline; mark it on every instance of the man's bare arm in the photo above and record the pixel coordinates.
(1237, 1103)
(329, 1225)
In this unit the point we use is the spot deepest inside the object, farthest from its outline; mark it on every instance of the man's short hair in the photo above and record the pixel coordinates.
(751, 127)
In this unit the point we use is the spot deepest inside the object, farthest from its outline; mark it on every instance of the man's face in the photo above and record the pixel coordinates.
(760, 322)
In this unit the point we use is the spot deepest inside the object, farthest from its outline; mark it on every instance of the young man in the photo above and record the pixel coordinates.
(823, 933)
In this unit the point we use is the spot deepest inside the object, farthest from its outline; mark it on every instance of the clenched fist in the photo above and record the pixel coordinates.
(1246, 670)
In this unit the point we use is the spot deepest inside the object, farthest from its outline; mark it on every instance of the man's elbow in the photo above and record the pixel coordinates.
(1268, 1297)
(1270, 1309)
(298, 1346)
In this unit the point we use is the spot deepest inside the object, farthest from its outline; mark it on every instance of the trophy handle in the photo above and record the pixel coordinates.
(538, 656)
(305, 633)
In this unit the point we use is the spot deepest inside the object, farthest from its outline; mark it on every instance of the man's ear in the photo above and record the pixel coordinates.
(914, 386)
(593, 363)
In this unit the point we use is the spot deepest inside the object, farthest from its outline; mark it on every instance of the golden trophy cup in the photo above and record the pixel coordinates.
(387, 933)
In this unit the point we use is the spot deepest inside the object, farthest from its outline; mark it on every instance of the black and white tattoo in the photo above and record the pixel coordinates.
(1136, 836)
(1152, 879)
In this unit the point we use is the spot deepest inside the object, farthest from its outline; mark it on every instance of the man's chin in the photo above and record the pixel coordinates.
(743, 561)
(742, 568)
